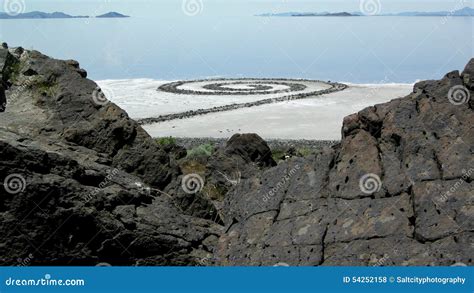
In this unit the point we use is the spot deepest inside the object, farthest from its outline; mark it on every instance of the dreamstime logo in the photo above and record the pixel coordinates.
(14, 7)
(110, 175)
(192, 7)
(458, 95)
(370, 183)
(281, 184)
(18, 92)
(143, 188)
(192, 183)
(466, 174)
(233, 179)
(99, 96)
(23, 262)
(370, 7)
(14, 184)
(386, 258)
(381, 262)
(458, 6)
(206, 261)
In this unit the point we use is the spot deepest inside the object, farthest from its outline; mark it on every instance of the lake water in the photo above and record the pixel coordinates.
(351, 49)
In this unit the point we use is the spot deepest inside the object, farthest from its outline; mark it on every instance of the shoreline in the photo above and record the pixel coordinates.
(217, 116)
(192, 142)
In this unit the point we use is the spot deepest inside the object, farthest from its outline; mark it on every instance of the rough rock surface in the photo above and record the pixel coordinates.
(57, 101)
(86, 178)
(84, 184)
(243, 156)
(316, 212)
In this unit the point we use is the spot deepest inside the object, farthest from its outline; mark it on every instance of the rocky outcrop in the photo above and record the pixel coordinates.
(57, 101)
(65, 209)
(3, 99)
(84, 184)
(80, 180)
(397, 190)
(243, 156)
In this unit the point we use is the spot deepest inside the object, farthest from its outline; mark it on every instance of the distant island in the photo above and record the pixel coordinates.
(309, 14)
(325, 14)
(466, 11)
(112, 15)
(55, 15)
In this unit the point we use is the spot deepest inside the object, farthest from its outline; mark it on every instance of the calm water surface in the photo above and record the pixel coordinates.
(352, 49)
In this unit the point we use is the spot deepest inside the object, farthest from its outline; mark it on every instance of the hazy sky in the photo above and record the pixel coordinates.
(229, 7)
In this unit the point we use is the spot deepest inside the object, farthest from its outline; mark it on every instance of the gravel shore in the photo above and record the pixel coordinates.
(274, 144)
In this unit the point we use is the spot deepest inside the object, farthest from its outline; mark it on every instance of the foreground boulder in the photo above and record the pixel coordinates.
(397, 190)
(80, 180)
(243, 156)
(52, 98)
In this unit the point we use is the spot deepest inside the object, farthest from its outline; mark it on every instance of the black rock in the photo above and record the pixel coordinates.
(251, 148)
(82, 180)
(3, 99)
(395, 191)
(85, 184)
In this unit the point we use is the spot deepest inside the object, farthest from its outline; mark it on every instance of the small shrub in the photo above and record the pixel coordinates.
(305, 151)
(166, 141)
(278, 155)
(203, 150)
(51, 90)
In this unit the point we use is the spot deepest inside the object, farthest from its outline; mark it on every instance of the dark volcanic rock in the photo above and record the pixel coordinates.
(70, 210)
(68, 193)
(242, 157)
(84, 184)
(416, 207)
(251, 148)
(56, 101)
(3, 99)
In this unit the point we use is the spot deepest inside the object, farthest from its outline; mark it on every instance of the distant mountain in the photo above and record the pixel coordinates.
(112, 14)
(325, 14)
(466, 11)
(38, 15)
(309, 14)
(46, 15)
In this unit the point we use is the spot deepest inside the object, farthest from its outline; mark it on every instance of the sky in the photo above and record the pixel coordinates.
(229, 7)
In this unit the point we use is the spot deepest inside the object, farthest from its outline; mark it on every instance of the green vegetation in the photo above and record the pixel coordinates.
(203, 150)
(214, 192)
(166, 141)
(305, 151)
(47, 88)
(277, 155)
(13, 71)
